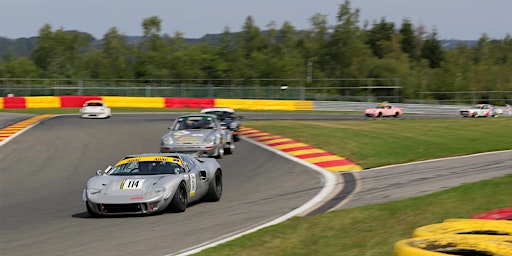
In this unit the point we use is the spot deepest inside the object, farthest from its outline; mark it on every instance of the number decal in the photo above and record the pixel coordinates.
(193, 184)
(131, 184)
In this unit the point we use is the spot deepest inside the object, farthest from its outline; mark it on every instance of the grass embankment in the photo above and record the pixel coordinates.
(372, 230)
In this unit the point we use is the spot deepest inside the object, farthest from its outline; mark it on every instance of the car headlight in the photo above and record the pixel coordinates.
(93, 191)
(167, 140)
(159, 189)
(210, 139)
(233, 125)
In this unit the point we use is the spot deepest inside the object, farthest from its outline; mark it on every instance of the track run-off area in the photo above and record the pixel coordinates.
(45, 164)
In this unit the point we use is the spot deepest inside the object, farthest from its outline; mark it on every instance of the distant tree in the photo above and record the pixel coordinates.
(380, 33)
(152, 55)
(345, 43)
(18, 67)
(408, 40)
(117, 56)
(59, 53)
(432, 50)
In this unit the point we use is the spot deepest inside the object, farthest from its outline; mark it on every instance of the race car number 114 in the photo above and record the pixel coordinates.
(132, 184)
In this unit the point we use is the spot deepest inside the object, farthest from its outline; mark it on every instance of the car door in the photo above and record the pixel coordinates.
(197, 177)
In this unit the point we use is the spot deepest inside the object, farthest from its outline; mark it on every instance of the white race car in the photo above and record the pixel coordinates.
(95, 109)
(481, 110)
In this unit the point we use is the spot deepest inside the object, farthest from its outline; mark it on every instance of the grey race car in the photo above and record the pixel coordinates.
(228, 119)
(151, 183)
(198, 133)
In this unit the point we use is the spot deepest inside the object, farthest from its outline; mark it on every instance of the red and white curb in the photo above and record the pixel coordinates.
(310, 154)
(14, 130)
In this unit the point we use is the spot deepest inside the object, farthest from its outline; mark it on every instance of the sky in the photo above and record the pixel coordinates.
(451, 19)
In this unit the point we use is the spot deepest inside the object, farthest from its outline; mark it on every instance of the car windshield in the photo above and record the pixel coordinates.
(194, 122)
(94, 104)
(146, 168)
(221, 114)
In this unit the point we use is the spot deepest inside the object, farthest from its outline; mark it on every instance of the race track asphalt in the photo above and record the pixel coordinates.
(44, 170)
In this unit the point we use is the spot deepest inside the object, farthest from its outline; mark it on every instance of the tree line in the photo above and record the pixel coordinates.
(346, 49)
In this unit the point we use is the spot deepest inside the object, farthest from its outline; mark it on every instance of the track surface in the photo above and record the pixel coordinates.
(43, 172)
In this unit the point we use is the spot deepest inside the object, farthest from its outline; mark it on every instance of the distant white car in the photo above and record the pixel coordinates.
(95, 109)
(481, 110)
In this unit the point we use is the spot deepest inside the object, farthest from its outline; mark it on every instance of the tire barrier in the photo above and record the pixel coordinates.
(438, 245)
(496, 214)
(466, 226)
(471, 237)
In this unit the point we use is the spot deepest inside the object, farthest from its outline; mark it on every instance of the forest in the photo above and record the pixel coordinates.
(324, 52)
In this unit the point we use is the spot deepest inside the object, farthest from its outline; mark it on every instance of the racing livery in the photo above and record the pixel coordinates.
(198, 133)
(481, 110)
(151, 183)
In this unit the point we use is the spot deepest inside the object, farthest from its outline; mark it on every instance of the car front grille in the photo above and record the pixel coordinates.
(123, 208)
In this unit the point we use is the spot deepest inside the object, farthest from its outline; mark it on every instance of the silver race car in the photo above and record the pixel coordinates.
(228, 119)
(198, 133)
(151, 183)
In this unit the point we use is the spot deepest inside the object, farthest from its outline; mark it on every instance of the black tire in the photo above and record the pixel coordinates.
(219, 153)
(236, 138)
(215, 189)
(229, 150)
(380, 114)
(89, 210)
(179, 201)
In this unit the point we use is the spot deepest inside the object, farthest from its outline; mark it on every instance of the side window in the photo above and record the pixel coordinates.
(190, 162)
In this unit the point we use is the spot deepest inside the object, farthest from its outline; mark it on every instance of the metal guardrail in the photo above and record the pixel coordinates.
(434, 109)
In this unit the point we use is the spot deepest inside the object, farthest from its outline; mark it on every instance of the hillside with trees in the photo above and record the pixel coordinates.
(380, 49)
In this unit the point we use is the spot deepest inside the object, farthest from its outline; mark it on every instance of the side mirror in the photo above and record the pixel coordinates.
(99, 172)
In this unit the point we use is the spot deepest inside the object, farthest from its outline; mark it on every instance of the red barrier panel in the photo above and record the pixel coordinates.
(14, 102)
(189, 103)
(75, 101)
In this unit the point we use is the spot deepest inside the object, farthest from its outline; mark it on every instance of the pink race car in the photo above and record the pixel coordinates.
(384, 109)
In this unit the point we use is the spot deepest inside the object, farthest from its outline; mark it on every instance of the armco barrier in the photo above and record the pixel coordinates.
(264, 104)
(152, 102)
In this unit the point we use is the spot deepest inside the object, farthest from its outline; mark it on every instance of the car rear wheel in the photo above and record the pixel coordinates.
(179, 201)
(215, 189)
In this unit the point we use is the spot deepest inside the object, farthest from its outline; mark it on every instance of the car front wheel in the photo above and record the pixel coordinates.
(179, 201)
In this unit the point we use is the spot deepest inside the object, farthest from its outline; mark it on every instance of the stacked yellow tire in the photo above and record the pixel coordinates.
(459, 237)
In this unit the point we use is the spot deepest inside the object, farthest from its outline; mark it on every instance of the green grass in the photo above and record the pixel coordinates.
(373, 229)
(372, 143)
(369, 230)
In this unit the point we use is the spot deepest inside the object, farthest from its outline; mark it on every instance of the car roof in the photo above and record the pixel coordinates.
(153, 154)
(201, 115)
(94, 101)
(218, 109)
